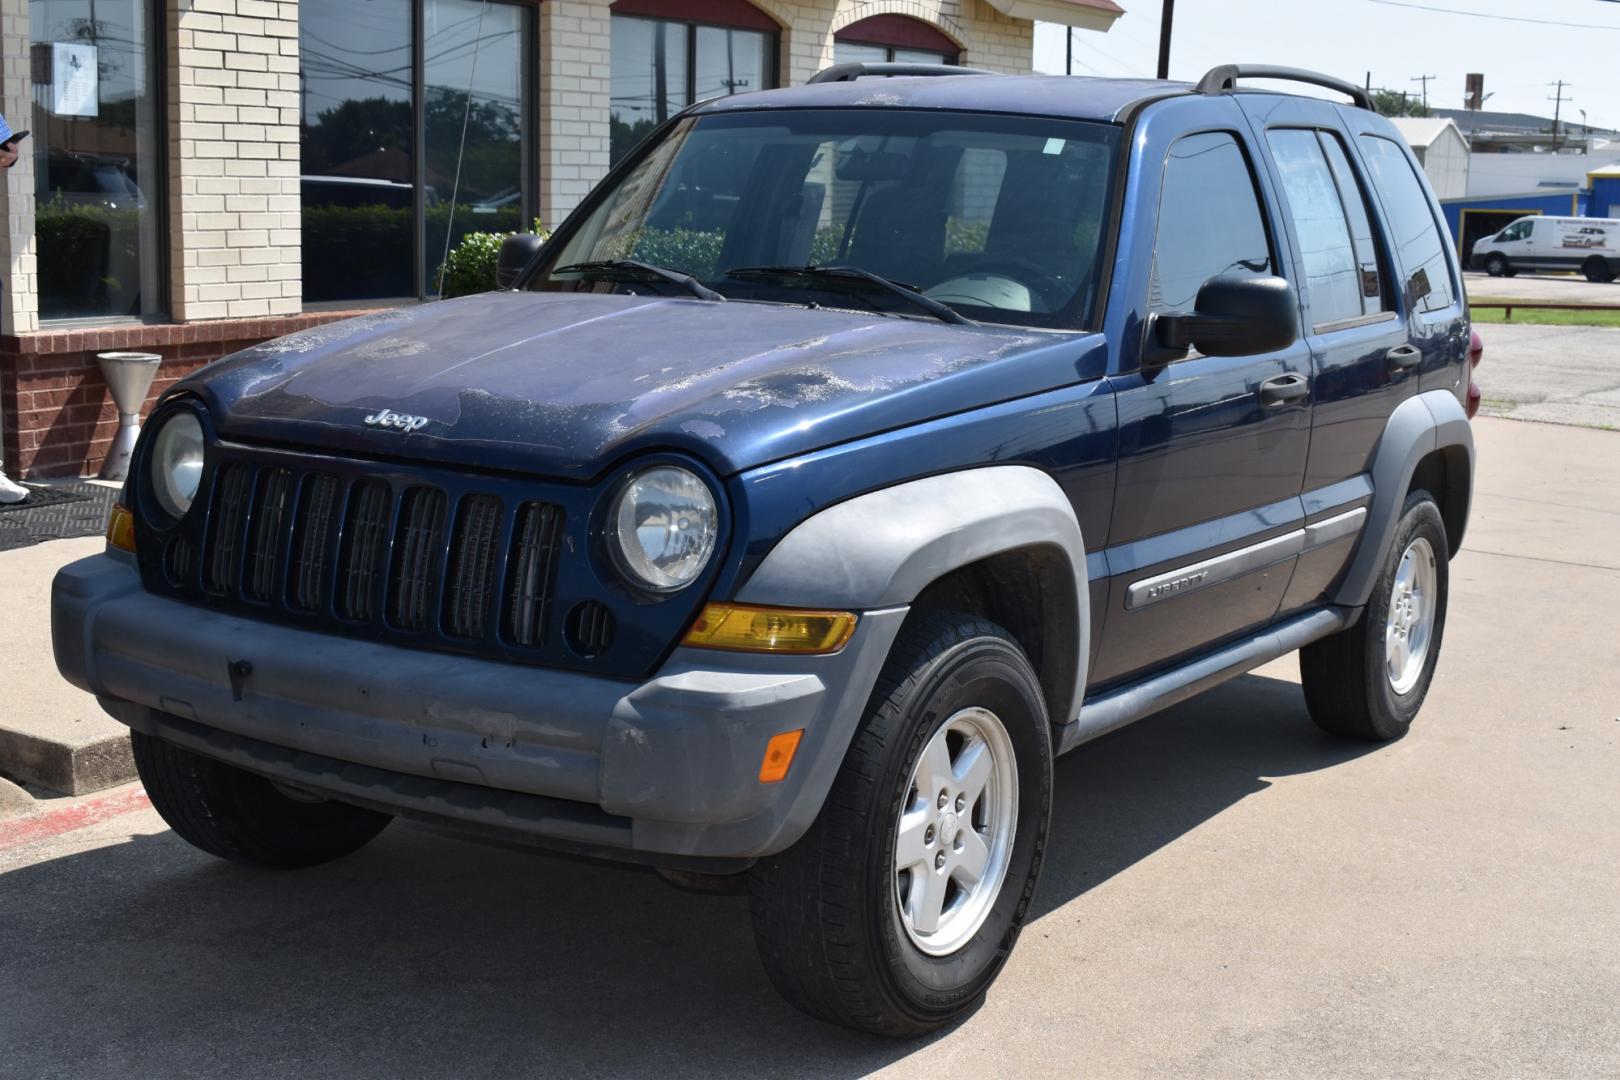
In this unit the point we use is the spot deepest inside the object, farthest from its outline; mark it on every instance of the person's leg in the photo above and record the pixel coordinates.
(11, 492)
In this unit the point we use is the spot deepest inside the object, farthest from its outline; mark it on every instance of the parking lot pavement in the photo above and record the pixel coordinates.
(1229, 893)
(1553, 288)
(1556, 374)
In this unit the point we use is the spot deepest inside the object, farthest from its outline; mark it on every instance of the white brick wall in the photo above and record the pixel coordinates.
(234, 229)
(19, 296)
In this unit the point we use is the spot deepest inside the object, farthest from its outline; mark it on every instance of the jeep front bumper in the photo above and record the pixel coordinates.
(667, 767)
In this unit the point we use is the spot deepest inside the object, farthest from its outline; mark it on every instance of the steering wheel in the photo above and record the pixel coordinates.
(1053, 293)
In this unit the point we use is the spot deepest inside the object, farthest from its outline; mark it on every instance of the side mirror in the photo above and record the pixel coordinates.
(517, 252)
(1233, 316)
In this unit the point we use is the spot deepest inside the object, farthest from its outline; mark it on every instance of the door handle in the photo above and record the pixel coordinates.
(1283, 389)
(1403, 357)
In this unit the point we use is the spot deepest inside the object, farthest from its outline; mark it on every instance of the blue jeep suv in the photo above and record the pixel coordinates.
(852, 451)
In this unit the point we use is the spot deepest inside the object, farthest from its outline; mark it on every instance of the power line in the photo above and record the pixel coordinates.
(1488, 15)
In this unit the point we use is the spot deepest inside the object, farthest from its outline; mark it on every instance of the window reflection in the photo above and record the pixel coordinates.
(358, 172)
(361, 231)
(96, 159)
(661, 66)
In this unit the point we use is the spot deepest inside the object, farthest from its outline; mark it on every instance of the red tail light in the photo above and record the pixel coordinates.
(1476, 352)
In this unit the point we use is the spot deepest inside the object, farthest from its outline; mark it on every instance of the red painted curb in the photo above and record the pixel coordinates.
(42, 826)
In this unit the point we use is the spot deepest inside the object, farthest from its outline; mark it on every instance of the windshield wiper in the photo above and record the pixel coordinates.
(627, 267)
(940, 311)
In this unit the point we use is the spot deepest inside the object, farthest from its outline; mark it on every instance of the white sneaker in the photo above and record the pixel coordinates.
(11, 492)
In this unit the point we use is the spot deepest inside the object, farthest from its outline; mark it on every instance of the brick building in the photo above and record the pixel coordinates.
(205, 174)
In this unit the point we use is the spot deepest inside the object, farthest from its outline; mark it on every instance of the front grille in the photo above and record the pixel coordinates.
(374, 557)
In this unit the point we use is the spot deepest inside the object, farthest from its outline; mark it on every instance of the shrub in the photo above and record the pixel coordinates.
(472, 263)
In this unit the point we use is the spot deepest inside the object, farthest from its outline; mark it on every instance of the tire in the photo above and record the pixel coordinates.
(1496, 265)
(243, 817)
(1350, 687)
(829, 920)
(1597, 271)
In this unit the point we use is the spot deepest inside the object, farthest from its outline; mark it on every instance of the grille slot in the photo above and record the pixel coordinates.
(224, 570)
(469, 583)
(365, 540)
(312, 536)
(531, 569)
(590, 628)
(267, 524)
(179, 561)
(418, 541)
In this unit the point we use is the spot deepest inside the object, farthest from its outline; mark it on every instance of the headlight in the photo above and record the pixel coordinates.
(177, 463)
(664, 525)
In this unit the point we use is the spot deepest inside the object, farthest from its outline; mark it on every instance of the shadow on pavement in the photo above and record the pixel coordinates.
(424, 955)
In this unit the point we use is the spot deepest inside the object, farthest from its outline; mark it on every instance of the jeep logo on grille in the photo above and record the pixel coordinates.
(402, 421)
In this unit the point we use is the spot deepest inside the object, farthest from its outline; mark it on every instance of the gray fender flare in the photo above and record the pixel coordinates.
(1420, 425)
(880, 550)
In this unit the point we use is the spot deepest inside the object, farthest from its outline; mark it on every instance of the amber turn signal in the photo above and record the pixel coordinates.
(779, 756)
(745, 628)
(121, 528)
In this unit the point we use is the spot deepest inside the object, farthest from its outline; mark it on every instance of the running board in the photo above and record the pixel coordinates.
(1113, 710)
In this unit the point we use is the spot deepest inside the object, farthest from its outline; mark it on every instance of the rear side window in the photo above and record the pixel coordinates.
(1209, 221)
(1419, 244)
(1325, 203)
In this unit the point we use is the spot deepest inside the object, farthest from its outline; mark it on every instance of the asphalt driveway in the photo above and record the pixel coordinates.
(1229, 893)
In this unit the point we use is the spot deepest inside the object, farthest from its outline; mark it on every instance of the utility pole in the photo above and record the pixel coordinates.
(1424, 79)
(1558, 107)
(1165, 22)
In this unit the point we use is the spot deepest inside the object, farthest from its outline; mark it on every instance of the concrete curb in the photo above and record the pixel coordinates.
(73, 768)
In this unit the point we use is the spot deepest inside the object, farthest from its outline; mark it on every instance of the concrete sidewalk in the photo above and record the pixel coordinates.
(1554, 374)
(51, 734)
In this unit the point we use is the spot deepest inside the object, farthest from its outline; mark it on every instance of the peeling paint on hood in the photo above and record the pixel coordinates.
(564, 384)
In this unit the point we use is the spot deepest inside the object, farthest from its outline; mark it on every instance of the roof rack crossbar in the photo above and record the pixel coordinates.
(1223, 80)
(852, 71)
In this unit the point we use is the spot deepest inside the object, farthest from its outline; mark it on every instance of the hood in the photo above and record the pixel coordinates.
(565, 384)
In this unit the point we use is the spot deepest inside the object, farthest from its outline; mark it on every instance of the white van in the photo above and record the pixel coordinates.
(1590, 245)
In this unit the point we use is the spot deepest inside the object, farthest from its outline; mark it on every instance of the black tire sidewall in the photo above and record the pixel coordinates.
(1393, 713)
(991, 673)
(1496, 266)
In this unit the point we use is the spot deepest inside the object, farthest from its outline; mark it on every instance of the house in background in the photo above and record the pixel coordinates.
(206, 174)
(1440, 149)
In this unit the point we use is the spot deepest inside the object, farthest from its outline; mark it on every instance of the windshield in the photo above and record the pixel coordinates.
(999, 217)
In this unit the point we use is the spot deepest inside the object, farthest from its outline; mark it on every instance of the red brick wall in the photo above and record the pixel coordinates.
(57, 415)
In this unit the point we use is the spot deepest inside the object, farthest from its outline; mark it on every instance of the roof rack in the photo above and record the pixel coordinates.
(1223, 80)
(852, 71)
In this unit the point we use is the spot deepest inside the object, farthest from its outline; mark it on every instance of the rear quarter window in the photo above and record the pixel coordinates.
(1417, 238)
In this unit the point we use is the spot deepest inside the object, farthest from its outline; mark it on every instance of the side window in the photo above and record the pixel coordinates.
(1332, 280)
(1354, 197)
(1419, 244)
(1209, 221)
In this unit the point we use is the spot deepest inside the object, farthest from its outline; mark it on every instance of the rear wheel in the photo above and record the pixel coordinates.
(243, 817)
(1496, 265)
(898, 908)
(1368, 681)
(1597, 270)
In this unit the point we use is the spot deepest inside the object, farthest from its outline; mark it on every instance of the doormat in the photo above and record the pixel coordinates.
(56, 512)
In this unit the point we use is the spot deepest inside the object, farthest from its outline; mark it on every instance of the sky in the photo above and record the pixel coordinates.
(1395, 41)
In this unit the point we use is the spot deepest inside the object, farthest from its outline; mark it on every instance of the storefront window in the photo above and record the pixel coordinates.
(97, 159)
(662, 65)
(473, 123)
(365, 228)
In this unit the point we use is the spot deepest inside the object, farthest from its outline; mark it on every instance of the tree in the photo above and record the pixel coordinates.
(1398, 103)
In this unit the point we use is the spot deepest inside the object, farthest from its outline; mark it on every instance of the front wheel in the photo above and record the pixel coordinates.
(1369, 680)
(1496, 265)
(897, 909)
(243, 817)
